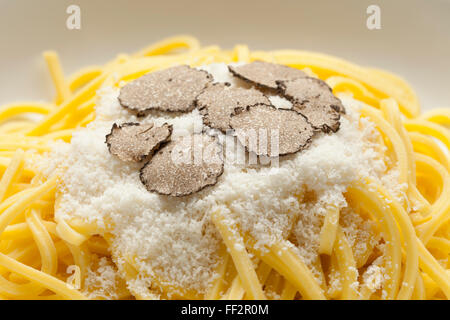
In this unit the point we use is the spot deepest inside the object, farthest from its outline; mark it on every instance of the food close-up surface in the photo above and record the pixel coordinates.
(192, 170)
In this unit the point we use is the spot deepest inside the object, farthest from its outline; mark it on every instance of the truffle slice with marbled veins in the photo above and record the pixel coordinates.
(266, 74)
(173, 89)
(184, 166)
(268, 131)
(218, 103)
(314, 99)
(136, 142)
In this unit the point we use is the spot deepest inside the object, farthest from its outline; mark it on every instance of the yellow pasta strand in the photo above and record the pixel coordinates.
(347, 265)
(328, 231)
(215, 290)
(169, 44)
(240, 258)
(41, 278)
(54, 65)
(289, 265)
(19, 109)
(429, 128)
(429, 265)
(66, 107)
(439, 115)
(11, 173)
(68, 234)
(44, 242)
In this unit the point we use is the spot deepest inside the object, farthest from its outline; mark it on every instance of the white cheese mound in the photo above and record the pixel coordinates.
(174, 239)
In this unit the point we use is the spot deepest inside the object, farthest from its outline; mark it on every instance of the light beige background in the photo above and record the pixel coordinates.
(414, 40)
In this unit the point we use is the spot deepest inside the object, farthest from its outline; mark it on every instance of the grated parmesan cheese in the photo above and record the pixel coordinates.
(102, 280)
(373, 277)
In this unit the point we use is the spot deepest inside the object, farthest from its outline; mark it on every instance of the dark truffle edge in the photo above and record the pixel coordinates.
(306, 145)
(222, 169)
(257, 84)
(339, 109)
(240, 76)
(145, 112)
(129, 124)
(203, 109)
(117, 126)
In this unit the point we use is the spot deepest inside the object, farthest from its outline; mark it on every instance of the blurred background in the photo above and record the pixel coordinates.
(414, 39)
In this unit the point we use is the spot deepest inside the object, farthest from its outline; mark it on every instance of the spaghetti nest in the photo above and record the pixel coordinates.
(44, 258)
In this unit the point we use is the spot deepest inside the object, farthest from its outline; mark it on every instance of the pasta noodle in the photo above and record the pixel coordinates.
(411, 259)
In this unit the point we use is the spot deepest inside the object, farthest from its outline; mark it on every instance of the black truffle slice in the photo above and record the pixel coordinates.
(184, 166)
(268, 131)
(314, 99)
(265, 74)
(173, 89)
(218, 102)
(136, 142)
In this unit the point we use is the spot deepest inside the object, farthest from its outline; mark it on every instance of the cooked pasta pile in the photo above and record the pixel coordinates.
(46, 258)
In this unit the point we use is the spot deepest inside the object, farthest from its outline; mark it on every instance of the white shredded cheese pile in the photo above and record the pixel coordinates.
(174, 239)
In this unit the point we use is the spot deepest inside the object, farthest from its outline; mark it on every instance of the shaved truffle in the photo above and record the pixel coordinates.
(184, 166)
(265, 74)
(314, 99)
(173, 89)
(136, 142)
(268, 131)
(218, 102)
